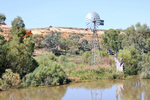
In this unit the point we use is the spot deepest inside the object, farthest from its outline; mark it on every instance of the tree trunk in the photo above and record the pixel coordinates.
(119, 64)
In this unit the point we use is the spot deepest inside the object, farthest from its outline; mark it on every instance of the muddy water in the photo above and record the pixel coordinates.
(136, 89)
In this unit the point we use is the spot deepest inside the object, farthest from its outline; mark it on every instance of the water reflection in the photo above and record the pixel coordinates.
(136, 89)
(39, 93)
(119, 90)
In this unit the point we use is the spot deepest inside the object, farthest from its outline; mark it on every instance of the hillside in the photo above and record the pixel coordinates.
(65, 30)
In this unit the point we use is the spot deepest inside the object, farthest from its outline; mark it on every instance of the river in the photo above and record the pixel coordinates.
(131, 89)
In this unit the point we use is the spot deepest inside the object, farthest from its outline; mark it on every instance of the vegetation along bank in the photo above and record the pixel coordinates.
(52, 59)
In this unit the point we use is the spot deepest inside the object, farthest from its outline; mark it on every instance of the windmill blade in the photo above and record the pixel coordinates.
(92, 19)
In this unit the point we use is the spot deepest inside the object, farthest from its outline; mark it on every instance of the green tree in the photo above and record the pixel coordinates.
(52, 41)
(131, 58)
(64, 44)
(19, 50)
(2, 18)
(145, 65)
(86, 57)
(137, 36)
(84, 45)
(112, 40)
(38, 39)
(3, 53)
(18, 29)
(74, 44)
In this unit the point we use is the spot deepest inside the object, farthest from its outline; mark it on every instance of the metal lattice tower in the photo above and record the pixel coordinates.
(92, 22)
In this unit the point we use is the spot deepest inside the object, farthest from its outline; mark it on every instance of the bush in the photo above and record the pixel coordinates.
(69, 64)
(96, 73)
(103, 53)
(17, 53)
(86, 57)
(10, 79)
(131, 58)
(62, 59)
(51, 56)
(19, 58)
(38, 39)
(145, 65)
(47, 59)
(46, 75)
(65, 62)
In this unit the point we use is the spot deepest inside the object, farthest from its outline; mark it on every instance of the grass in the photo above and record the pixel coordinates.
(93, 73)
(77, 70)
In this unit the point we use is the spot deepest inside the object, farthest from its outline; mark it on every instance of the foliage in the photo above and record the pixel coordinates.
(145, 65)
(74, 45)
(139, 37)
(64, 44)
(18, 29)
(10, 79)
(84, 45)
(3, 53)
(103, 53)
(56, 43)
(2, 18)
(75, 37)
(38, 39)
(17, 53)
(18, 22)
(130, 57)
(94, 73)
(62, 59)
(52, 41)
(112, 40)
(49, 72)
(86, 57)
(51, 56)
(19, 57)
(46, 60)
(65, 62)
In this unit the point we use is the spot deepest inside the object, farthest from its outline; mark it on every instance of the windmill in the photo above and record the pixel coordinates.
(92, 22)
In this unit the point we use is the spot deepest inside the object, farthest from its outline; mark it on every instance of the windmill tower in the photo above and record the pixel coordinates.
(92, 22)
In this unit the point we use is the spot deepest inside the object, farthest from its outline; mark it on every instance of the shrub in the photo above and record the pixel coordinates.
(103, 53)
(69, 64)
(145, 65)
(86, 57)
(51, 56)
(47, 59)
(1, 82)
(62, 59)
(131, 58)
(38, 39)
(65, 62)
(17, 53)
(46, 75)
(10, 79)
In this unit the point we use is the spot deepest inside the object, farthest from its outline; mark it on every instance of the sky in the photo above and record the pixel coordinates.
(117, 14)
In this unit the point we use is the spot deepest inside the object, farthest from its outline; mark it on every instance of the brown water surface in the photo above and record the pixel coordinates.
(134, 89)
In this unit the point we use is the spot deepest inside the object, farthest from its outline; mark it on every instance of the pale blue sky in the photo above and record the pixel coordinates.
(118, 14)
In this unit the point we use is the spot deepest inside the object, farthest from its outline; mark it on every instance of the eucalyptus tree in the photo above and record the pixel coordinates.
(19, 54)
(52, 41)
(112, 40)
(137, 36)
(2, 18)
